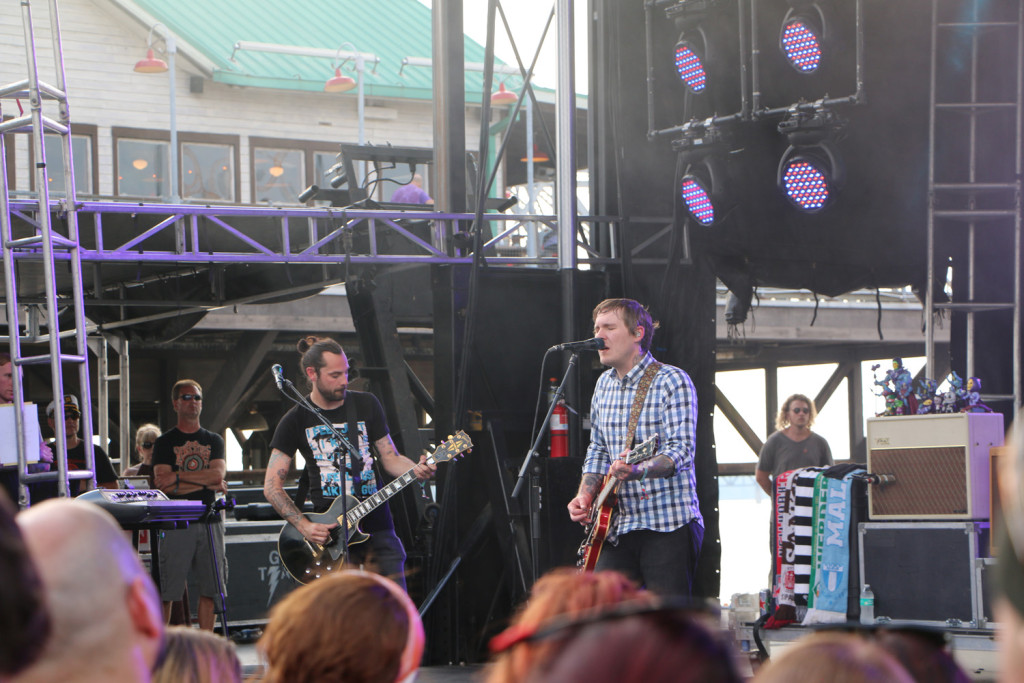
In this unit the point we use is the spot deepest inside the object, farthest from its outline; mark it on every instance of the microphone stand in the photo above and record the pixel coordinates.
(299, 399)
(528, 460)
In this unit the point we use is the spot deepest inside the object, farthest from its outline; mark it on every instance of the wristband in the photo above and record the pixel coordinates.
(643, 473)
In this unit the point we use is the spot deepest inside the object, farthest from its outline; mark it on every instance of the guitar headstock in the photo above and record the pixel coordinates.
(645, 451)
(453, 447)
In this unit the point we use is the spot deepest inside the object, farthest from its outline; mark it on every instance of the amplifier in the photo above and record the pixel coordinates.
(924, 571)
(931, 466)
(256, 578)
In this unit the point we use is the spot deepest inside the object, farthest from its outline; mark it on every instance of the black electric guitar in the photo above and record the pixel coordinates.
(307, 561)
(605, 506)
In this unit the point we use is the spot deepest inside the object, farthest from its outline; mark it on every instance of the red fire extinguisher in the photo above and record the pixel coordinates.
(559, 425)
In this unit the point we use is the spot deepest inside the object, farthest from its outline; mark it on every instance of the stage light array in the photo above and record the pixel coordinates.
(805, 183)
(801, 42)
(690, 65)
(697, 199)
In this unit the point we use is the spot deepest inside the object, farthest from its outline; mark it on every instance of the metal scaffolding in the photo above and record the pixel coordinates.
(960, 195)
(48, 244)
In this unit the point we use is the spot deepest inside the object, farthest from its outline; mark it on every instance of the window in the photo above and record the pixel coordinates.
(207, 171)
(279, 175)
(298, 163)
(207, 168)
(143, 168)
(82, 159)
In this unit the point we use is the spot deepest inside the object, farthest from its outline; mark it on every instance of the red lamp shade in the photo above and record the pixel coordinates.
(339, 83)
(503, 96)
(150, 65)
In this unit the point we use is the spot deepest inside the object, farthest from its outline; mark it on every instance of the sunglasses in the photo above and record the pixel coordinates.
(190, 397)
(679, 608)
(801, 410)
(146, 444)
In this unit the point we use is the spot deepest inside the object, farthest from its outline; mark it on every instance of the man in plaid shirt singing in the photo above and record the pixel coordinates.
(656, 535)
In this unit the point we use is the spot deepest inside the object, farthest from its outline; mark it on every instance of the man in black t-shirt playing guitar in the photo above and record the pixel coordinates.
(326, 367)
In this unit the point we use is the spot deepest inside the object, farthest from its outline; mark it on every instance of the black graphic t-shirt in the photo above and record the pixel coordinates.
(189, 453)
(302, 431)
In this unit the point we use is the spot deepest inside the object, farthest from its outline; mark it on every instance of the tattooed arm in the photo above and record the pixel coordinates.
(579, 507)
(273, 491)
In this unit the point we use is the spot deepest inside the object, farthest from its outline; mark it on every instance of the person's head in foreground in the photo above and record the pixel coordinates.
(671, 641)
(107, 621)
(562, 591)
(350, 626)
(836, 658)
(196, 656)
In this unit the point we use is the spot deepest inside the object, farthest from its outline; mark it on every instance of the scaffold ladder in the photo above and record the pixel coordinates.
(956, 196)
(33, 255)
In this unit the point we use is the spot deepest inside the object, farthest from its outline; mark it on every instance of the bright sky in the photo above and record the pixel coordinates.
(526, 18)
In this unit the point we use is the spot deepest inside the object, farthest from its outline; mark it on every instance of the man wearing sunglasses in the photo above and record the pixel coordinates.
(106, 478)
(188, 463)
(794, 444)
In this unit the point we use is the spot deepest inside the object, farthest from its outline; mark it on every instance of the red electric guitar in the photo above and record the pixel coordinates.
(604, 508)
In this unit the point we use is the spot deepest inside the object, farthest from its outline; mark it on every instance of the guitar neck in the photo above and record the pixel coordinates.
(367, 506)
(610, 487)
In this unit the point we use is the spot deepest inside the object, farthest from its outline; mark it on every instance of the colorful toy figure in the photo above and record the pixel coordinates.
(974, 404)
(956, 398)
(897, 388)
(926, 402)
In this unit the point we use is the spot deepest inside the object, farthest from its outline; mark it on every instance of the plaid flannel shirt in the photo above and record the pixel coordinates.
(670, 410)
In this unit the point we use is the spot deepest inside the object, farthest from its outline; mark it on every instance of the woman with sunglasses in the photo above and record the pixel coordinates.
(145, 437)
(794, 445)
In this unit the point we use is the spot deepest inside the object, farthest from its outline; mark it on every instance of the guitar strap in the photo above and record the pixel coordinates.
(355, 460)
(638, 402)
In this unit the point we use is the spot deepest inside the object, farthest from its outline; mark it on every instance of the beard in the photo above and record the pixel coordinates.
(331, 394)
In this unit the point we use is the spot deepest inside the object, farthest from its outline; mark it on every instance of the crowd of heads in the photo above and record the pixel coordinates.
(64, 603)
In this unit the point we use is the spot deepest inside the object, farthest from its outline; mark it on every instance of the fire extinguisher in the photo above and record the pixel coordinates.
(559, 425)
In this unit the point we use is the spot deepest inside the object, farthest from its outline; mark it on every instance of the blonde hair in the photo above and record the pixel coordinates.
(782, 419)
(145, 430)
(837, 658)
(195, 656)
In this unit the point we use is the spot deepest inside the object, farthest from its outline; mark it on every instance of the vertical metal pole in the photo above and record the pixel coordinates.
(172, 50)
(929, 289)
(449, 112)
(972, 204)
(124, 402)
(531, 189)
(361, 111)
(566, 182)
(1016, 365)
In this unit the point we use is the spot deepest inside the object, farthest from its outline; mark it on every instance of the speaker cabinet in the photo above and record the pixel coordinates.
(257, 579)
(923, 571)
(932, 466)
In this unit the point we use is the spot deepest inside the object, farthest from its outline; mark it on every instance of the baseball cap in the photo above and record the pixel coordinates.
(70, 406)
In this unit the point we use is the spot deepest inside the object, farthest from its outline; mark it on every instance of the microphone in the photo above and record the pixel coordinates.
(595, 344)
(278, 373)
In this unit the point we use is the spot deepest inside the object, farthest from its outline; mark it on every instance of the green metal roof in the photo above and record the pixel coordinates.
(390, 29)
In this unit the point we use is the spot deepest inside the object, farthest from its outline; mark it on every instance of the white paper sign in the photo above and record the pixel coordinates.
(8, 436)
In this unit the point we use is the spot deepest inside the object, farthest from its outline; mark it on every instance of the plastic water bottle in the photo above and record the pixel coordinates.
(867, 605)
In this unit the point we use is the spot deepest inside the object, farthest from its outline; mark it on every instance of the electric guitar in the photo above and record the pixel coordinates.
(307, 561)
(604, 508)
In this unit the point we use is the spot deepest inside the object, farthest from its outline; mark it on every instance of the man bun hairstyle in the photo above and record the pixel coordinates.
(313, 349)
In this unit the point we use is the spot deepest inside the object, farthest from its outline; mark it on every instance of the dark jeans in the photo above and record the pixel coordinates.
(383, 554)
(662, 561)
